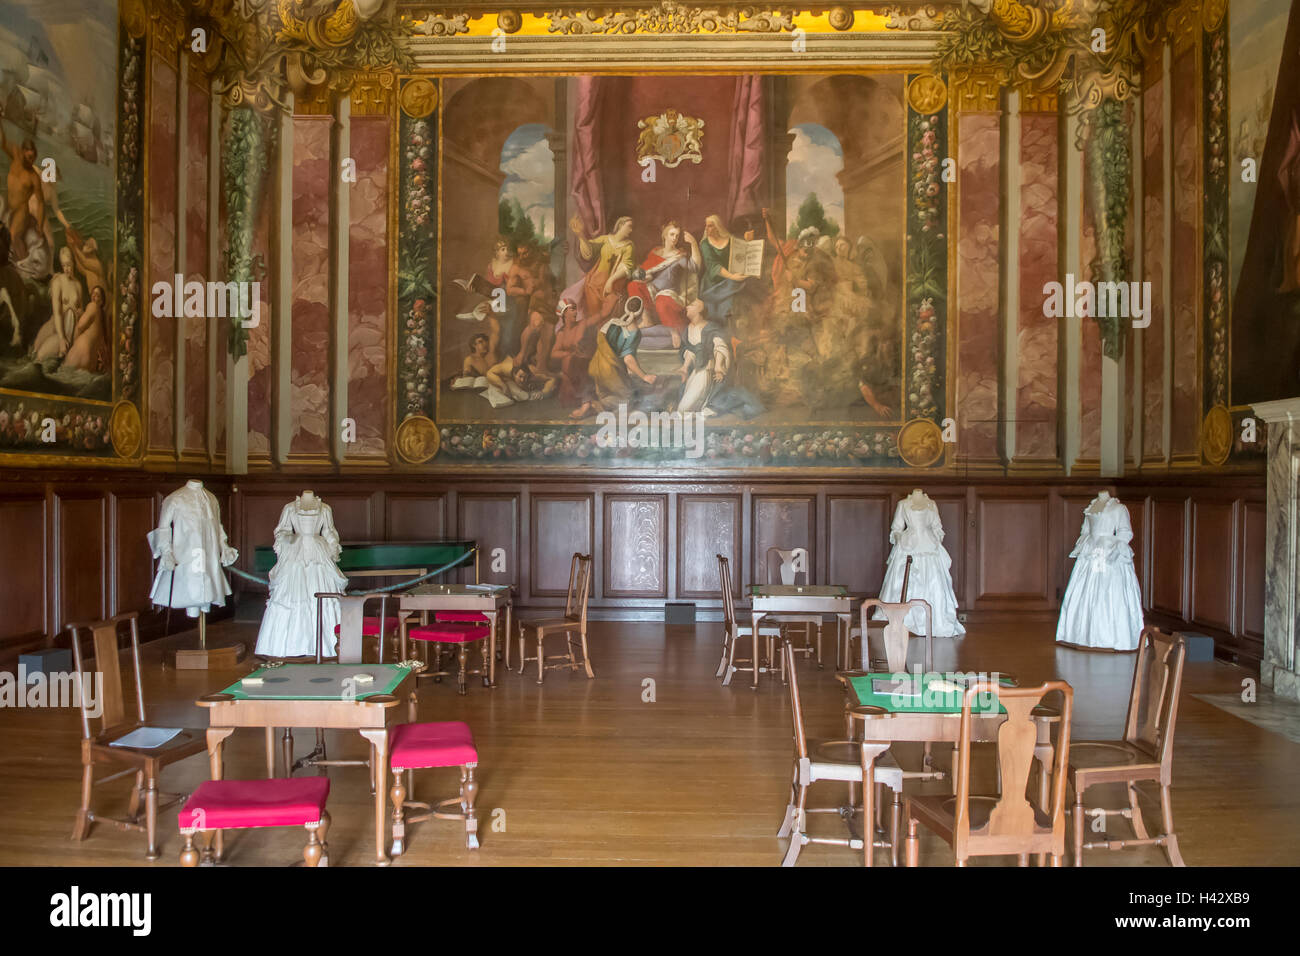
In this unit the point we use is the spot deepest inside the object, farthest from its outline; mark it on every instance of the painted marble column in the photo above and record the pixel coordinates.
(367, 313)
(978, 122)
(1279, 669)
(161, 188)
(1186, 252)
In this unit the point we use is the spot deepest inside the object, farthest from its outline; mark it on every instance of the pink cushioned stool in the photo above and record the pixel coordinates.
(425, 746)
(243, 804)
(460, 633)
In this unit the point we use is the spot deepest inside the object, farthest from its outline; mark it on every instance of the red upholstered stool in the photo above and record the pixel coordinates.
(459, 633)
(423, 746)
(370, 628)
(242, 804)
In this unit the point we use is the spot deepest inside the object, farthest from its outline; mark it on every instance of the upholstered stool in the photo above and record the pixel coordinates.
(425, 746)
(242, 804)
(460, 633)
(370, 627)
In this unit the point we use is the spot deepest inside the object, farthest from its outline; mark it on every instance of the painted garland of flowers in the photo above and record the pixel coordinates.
(927, 263)
(1216, 216)
(738, 445)
(416, 294)
(22, 428)
(130, 205)
(248, 142)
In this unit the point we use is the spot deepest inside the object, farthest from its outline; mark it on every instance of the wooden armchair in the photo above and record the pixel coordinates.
(574, 622)
(783, 568)
(732, 631)
(1008, 823)
(114, 724)
(896, 634)
(1145, 754)
(829, 760)
(844, 654)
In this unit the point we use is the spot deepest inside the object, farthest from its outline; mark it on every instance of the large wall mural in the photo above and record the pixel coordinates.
(748, 269)
(67, 325)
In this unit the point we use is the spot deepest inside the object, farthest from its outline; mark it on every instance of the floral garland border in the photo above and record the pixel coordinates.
(417, 243)
(1215, 171)
(78, 430)
(130, 213)
(927, 264)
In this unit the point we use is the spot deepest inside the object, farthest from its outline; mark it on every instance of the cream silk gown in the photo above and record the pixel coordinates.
(1102, 607)
(917, 533)
(306, 546)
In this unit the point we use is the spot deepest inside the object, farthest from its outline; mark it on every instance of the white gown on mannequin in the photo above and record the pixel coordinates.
(917, 532)
(192, 548)
(1102, 606)
(306, 545)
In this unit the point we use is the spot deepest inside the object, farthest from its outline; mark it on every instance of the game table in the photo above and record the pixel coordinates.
(360, 697)
(490, 600)
(777, 599)
(923, 713)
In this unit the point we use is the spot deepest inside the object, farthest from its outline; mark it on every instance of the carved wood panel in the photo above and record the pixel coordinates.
(636, 546)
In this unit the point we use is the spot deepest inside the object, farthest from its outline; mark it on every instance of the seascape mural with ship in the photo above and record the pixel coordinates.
(57, 91)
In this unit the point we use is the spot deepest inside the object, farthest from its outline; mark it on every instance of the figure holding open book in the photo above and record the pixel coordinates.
(729, 263)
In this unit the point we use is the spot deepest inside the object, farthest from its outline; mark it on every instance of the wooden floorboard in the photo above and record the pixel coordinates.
(585, 772)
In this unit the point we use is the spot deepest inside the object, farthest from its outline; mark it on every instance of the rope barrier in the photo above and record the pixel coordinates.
(384, 590)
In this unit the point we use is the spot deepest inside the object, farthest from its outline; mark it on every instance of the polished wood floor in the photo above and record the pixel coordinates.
(587, 772)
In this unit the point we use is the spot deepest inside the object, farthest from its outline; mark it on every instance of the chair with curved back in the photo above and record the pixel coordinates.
(1146, 752)
(574, 622)
(844, 653)
(838, 760)
(1007, 823)
(732, 631)
(783, 567)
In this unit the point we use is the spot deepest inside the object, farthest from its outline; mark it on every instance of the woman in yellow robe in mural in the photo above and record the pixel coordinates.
(605, 282)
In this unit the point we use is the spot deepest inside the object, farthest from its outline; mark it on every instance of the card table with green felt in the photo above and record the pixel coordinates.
(325, 696)
(884, 719)
(490, 600)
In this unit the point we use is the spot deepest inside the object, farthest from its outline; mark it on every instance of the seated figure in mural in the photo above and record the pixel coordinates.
(616, 375)
(66, 303)
(612, 261)
(706, 371)
(720, 288)
(480, 357)
(873, 376)
(667, 280)
(89, 351)
(521, 383)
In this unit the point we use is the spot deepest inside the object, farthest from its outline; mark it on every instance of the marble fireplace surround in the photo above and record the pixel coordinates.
(1280, 669)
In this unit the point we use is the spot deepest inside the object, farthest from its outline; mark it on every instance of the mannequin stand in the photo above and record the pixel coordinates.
(205, 656)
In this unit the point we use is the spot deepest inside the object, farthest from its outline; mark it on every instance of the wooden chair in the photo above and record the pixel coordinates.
(781, 569)
(1009, 823)
(244, 804)
(1145, 754)
(574, 622)
(896, 634)
(829, 760)
(845, 653)
(732, 631)
(96, 746)
(357, 625)
(424, 746)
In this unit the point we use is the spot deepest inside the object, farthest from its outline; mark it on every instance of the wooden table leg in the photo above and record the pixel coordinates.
(757, 655)
(286, 748)
(270, 752)
(490, 678)
(506, 633)
(868, 804)
(379, 738)
(216, 737)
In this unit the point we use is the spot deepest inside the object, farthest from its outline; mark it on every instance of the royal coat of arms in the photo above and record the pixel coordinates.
(670, 138)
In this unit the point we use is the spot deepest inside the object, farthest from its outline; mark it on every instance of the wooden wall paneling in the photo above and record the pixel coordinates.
(1250, 586)
(131, 573)
(414, 517)
(354, 515)
(955, 513)
(708, 525)
(1012, 551)
(24, 569)
(1137, 516)
(783, 521)
(1169, 555)
(1070, 507)
(857, 541)
(635, 552)
(1214, 535)
(560, 524)
(492, 521)
(82, 557)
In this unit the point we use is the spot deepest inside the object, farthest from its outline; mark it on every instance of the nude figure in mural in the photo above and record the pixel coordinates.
(89, 350)
(24, 183)
(55, 337)
(480, 357)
